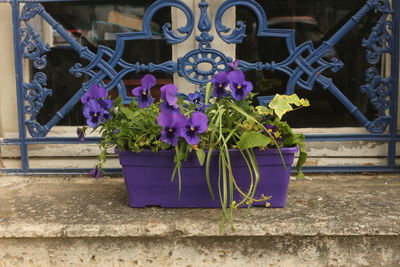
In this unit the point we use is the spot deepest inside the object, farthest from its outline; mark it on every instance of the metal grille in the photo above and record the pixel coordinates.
(305, 67)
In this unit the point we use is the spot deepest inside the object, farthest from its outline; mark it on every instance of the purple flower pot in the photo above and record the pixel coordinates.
(148, 179)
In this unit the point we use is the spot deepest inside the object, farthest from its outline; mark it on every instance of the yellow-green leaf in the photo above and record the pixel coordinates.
(281, 105)
(262, 110)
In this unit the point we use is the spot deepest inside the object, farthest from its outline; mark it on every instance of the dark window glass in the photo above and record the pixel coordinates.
(316, 21)
(95, 25)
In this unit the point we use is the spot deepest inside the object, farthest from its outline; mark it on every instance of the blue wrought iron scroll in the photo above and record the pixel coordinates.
(305, 64)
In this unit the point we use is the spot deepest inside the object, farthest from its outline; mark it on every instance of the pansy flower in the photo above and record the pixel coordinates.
(197, 98)
(94, 113)
(95, 92)
(172, 123)
(194, 126)
(169, 98)
(273, 131)
(143, 91)
(220, 82)
(239, 86)
(234, 65)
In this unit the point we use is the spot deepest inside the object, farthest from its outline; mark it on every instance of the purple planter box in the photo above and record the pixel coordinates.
(148, 179)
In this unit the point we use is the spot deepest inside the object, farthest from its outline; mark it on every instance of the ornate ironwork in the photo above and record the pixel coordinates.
(305, 64)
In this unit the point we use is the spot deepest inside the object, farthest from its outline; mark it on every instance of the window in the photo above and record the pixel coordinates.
(315, 21)
(95, 25)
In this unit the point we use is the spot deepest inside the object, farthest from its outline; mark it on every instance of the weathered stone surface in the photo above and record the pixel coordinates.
(285, 251)
(333, 205)
(330, 220)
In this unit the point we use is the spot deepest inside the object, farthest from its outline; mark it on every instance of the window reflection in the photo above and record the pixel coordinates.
(315, 21)
(95, 25)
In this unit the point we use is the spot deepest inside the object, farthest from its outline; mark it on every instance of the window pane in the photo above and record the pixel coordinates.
(316, 21)
(93, 25)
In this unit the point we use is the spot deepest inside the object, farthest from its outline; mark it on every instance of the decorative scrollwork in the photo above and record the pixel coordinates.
(378, 90)
(30, 10)
(33, 47)
(36, 129)
(380, 40)
(379, 125)
(35, 94)
(213, 61)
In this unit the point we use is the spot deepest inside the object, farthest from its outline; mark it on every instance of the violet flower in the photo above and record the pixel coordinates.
(168, 95)
(143, 91)
(196, 98)
(197, 124)
(239, 86)
(234, 65)
(94, 113)
(273, 131)
(95, 173)
(81, 134)
(172, 123)
(271, 128)
(95, 92)
(220, 82)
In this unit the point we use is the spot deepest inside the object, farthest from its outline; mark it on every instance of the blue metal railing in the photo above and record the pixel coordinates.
(107, 64)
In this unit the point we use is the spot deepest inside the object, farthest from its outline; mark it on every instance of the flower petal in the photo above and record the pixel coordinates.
(191, 140)
(138, 91)
(168, 93)
(165, 119)
(200, 121)
(236, 76)
(148, 81)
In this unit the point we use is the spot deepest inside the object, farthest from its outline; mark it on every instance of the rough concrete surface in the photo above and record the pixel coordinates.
(330, 220)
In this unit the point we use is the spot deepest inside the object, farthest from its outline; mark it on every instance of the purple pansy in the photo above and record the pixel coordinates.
(168, 95)
(271, 128)
(234, 65)
(220, 82)
(94, 113)
(197, 124)
(95, 92)
(143, 91)
(95, 173)
(81, 134)
(239, 86)
(197, 98)
(172, 123)
(273, 131)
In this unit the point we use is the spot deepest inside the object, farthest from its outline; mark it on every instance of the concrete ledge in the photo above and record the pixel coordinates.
(333, 205)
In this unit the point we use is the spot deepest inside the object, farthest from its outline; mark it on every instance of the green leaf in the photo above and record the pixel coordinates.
(201, 156)
(208, 93)
(128, 113)
(253, 139)
(118, 101)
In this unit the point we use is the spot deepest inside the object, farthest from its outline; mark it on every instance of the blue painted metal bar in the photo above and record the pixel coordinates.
(309, 138)
(19, 80)
(395, 74)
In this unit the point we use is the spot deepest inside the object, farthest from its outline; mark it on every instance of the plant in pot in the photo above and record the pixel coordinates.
(211, 148)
